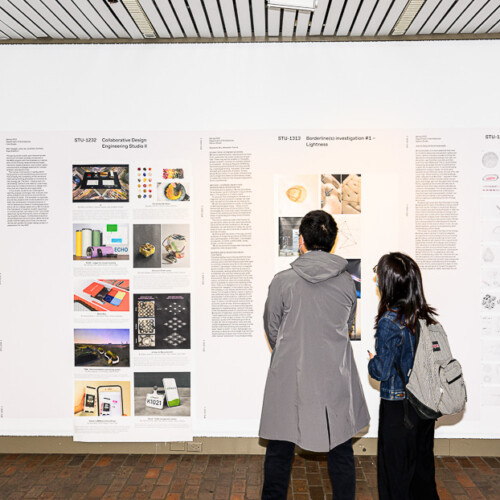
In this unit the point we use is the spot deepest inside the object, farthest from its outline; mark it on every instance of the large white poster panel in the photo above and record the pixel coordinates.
(138, 243)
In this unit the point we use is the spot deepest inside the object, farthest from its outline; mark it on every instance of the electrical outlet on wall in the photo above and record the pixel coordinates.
(194, 447)
(178, 446)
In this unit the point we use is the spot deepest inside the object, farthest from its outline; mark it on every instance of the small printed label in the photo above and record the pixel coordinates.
(435, 346)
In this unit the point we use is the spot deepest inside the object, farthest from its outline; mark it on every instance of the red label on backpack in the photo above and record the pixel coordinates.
(435, 346)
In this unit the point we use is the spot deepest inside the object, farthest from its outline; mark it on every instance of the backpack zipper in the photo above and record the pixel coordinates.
(440, 398)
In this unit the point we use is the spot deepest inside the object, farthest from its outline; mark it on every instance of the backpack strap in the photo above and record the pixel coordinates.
(407, 422)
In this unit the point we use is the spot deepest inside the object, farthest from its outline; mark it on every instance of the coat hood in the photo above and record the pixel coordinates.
(316, 266)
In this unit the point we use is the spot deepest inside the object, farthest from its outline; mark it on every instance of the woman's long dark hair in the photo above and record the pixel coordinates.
(401, 291)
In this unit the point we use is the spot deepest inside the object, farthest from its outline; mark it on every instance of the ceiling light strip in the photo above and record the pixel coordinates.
(89, 19)
(16, 26)
(22, 19)
(141, 20)
(392, 17)
(51, 18)
(154, 18)
(107, 16)
(407, 17)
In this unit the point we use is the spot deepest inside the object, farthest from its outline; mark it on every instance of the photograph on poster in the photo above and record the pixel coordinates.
(161, 246)
(100, 242)
(100, 183)
(162, 321)
(175, 247)
(490, 302)
(341, 193)
(172, 192)
(101, 398)
(108, 347)
(162, 394)
(354, 269)
(297, 194)
(144, 177)
(173, 173)
(289, 236)
(490, 373)
(355, 333)
(101, 295)
(147, 240)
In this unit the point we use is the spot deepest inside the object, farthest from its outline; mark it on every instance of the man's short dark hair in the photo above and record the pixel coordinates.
(319, 230)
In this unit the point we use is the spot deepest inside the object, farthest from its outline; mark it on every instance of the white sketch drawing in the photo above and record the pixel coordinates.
(348, 243)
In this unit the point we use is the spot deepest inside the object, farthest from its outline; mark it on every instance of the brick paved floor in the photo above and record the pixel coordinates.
(216, 477)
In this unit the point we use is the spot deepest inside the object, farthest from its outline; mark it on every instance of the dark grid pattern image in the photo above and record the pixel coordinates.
(215, 477)
(162, 321)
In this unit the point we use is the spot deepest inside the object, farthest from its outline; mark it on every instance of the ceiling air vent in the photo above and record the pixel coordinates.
(309, 5)
(138, 15)
(407, 16)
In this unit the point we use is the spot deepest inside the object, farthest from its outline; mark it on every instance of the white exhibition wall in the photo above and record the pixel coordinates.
(179, 97)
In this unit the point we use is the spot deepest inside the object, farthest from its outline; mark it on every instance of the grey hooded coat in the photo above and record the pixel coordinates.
(313, 394)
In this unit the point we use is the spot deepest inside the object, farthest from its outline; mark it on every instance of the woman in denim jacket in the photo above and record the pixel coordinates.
(405, 454)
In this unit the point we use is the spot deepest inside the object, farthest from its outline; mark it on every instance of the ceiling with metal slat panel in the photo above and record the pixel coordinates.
(98, 21)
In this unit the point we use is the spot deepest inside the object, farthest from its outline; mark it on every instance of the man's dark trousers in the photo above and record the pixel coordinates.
(278, 465)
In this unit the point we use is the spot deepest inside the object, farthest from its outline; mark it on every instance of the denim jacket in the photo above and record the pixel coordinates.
(393, 344)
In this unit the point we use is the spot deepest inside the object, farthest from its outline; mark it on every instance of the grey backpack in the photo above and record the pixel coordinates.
(436, 384)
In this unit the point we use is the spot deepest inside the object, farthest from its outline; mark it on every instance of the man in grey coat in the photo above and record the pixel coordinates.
(313, 396)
